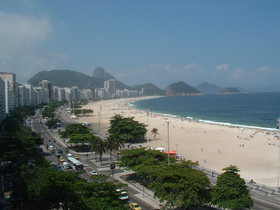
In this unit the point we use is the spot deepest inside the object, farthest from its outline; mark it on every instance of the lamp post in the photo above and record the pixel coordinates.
(99, 122)
(168, 159)
(278, 120)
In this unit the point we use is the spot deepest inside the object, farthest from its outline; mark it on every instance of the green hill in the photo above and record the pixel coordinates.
(229, 91)
(181, 89)
(149, 89)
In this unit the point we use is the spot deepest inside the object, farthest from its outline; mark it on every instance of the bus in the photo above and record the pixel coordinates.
(75, 164)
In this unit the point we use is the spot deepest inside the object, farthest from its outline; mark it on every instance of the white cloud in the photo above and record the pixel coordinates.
(222, 67)
(17, 31)
(239, 74)
(264, 69)
(23, 41)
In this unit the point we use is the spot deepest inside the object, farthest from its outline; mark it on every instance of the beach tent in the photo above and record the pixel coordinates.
(160, 149)
(171, 153)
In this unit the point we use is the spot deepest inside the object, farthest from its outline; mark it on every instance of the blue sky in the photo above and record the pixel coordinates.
(229, 43)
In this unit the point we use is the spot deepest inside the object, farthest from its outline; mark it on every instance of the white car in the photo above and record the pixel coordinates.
(69, 155)
(93, 172)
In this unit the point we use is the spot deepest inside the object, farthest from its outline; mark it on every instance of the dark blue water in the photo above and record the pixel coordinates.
(259, 109)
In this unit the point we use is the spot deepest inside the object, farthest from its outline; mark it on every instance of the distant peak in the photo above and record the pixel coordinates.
(100, 73)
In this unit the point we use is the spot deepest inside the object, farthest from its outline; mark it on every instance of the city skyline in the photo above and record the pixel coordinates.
(225, 43)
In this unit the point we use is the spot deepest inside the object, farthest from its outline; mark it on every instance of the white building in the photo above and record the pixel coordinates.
(110, 87)
(12, 90)
(2, 100)
(32, 94)
(61, 94)
(55, 93)
(101, 93)
(87, 94)
(47, 87)
(23, 96)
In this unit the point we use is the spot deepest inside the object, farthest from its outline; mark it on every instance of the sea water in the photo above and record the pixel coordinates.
(255, 110)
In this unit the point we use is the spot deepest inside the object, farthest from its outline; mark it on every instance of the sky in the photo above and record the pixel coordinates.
(230, 43)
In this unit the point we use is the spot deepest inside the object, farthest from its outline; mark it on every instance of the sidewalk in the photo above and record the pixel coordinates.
(143, 193)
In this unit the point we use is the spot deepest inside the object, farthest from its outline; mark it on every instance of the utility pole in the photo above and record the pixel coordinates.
(168, 158)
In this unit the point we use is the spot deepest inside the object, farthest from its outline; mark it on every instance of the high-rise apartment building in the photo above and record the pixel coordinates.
(61, 94)
(23, 96)
(32, 94)
(110, 87)
(47, 88)
(12, 90)
(2, 100)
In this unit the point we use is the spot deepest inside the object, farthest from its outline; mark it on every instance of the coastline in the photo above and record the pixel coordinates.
(214, 146)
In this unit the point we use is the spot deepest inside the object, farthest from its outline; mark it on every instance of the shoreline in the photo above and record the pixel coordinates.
(214, 146)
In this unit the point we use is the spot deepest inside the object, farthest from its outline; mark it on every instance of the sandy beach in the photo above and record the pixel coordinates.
(254, 151)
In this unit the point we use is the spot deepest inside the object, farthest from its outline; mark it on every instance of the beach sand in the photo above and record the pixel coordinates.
(215, 147)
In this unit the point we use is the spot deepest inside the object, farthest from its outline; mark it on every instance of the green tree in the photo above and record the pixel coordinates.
(113, 143)
(52, 123)
(155, 132)
(74, 129)
(231, 191)
(126, 128)
(98, 146)
(48, 188)
(185, 188)
(81, 139)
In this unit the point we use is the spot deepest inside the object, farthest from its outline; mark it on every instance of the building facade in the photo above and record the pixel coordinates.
(2, 100)
(12, 90)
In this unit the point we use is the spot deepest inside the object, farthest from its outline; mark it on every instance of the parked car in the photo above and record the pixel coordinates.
(123, 194)
(134, 206)
(93, 172)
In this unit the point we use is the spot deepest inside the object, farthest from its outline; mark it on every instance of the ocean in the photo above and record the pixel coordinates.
(253, 110)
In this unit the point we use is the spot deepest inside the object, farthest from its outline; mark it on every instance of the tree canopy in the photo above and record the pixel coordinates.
(231, 191)
(126, 128)
(177, 184)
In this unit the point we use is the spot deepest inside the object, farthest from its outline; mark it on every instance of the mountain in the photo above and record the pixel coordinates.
(66, 78)
(229, 91)
(207, 88)
(69, 78)
(101, 74)
(181, 89)
(149, 89)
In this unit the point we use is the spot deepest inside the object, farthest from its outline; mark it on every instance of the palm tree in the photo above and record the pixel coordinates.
(155, 132)
(113, 143)
(98, 146)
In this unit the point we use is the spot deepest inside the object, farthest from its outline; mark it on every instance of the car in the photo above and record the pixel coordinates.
(123, 194)
(69, 155)
(77, 157)
(93, 172)
(61, 159)
(134, 206)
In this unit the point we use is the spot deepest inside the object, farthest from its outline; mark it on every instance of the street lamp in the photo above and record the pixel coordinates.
(278, 120)
(168, 159)
(99, 122)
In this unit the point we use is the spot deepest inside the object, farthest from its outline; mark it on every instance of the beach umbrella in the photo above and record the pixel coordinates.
(160, 149)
